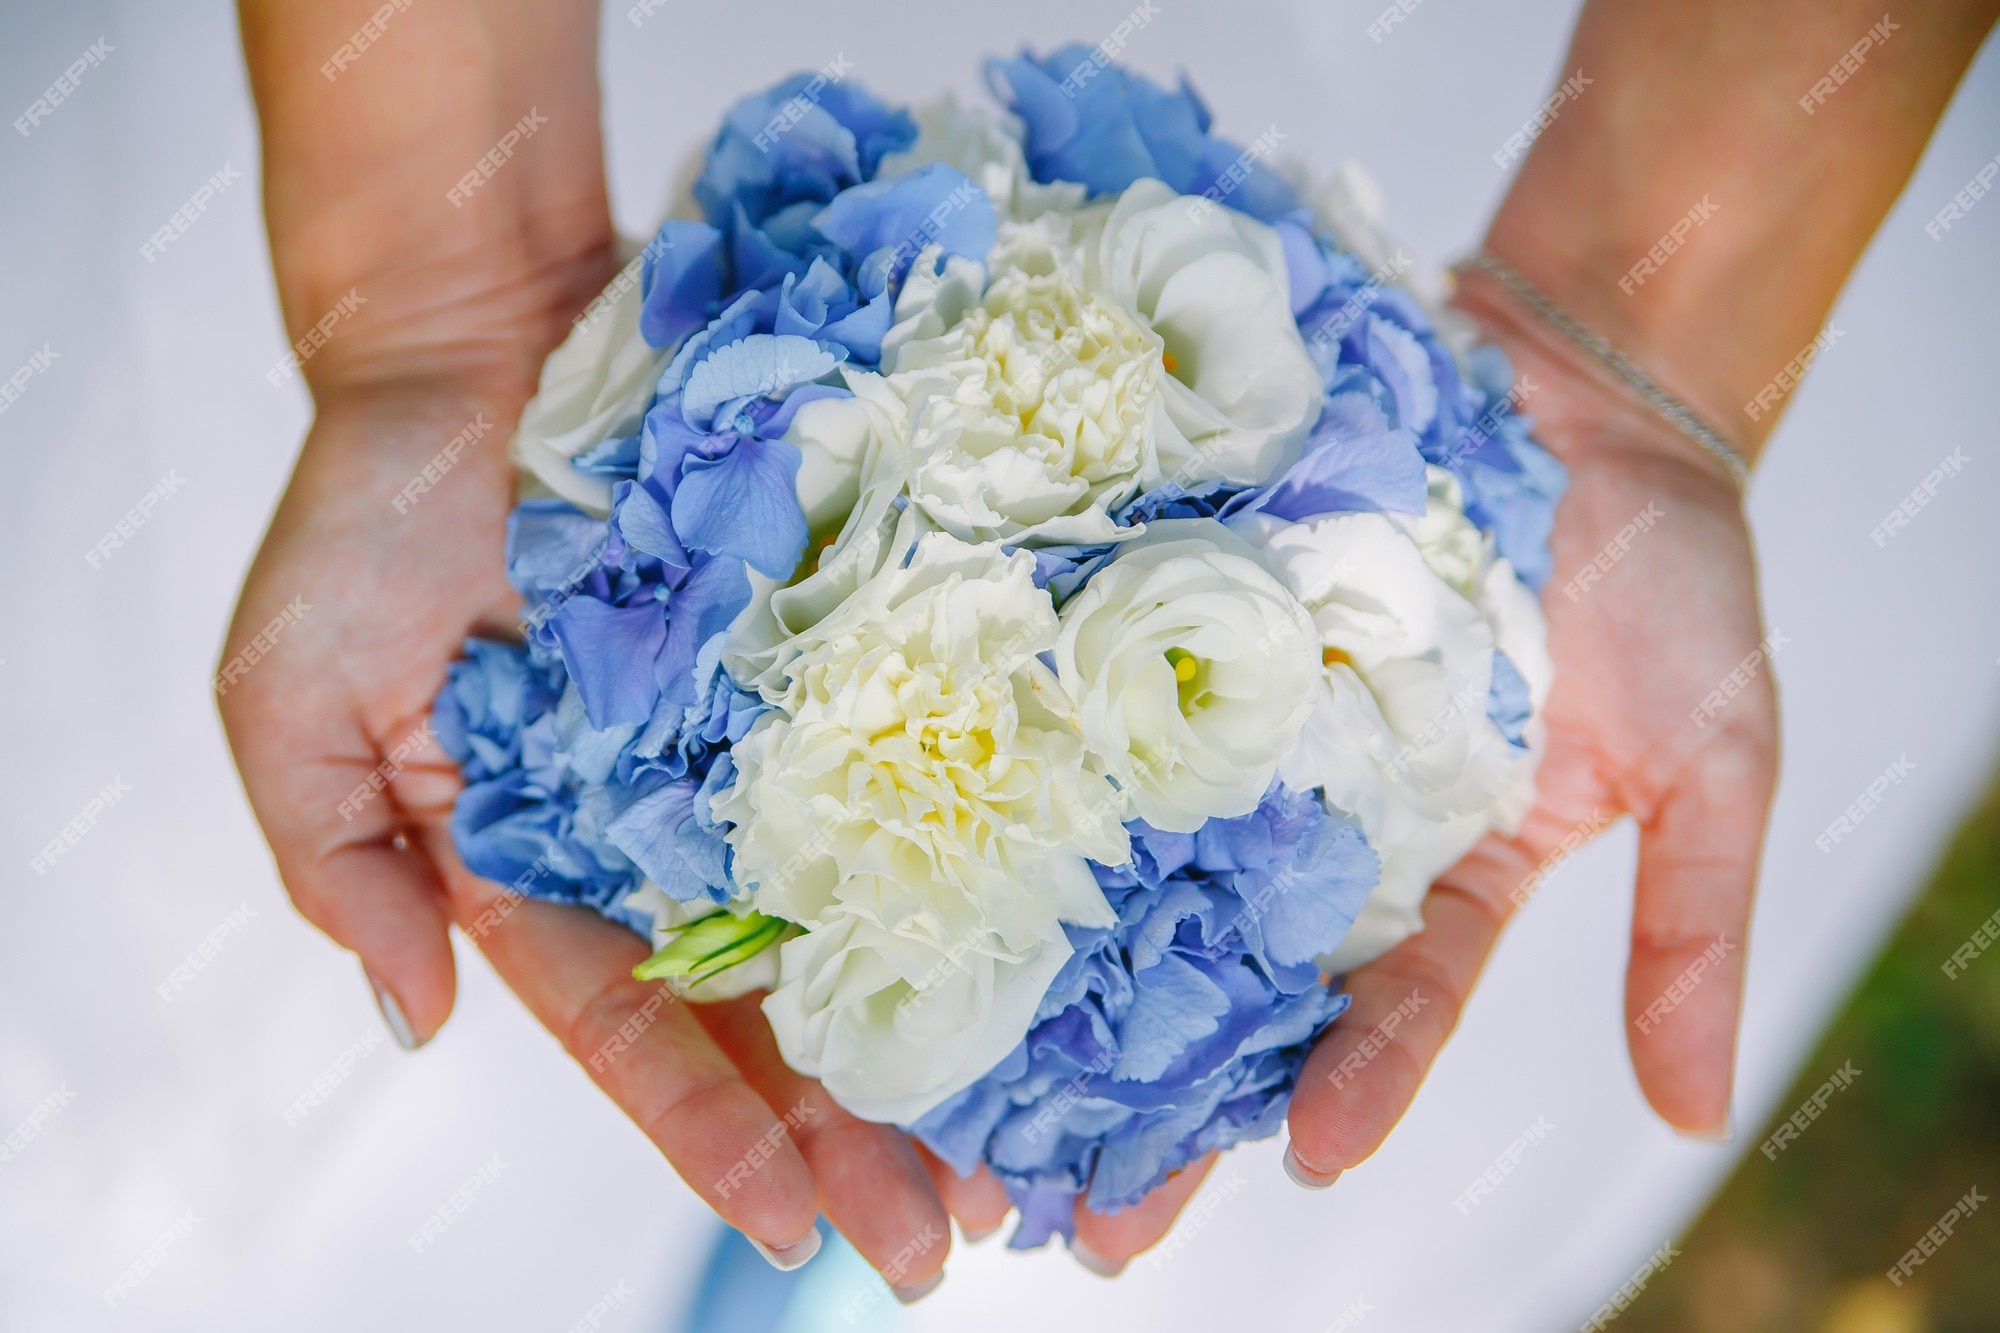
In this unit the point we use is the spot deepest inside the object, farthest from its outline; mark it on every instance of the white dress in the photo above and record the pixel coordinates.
(168, 1153)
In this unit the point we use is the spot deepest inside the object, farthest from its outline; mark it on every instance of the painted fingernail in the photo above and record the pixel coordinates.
(392, 1013)
(1092, 1261)
(974, 1237)
(1305, 1176)
(916, 1291)
(785, 1258)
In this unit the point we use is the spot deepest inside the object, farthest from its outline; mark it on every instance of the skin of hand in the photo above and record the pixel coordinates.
(458, 306)
(1688, 101)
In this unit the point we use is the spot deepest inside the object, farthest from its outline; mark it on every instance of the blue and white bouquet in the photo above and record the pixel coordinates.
(1035, 592)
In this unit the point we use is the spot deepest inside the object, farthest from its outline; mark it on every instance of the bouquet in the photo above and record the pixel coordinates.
(1035, 592)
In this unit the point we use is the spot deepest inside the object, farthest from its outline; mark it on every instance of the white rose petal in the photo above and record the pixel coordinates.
(1243, 392)
(1193, 669)
(1408, 610)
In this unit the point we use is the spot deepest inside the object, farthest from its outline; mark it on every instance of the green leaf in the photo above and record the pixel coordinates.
(714, 944)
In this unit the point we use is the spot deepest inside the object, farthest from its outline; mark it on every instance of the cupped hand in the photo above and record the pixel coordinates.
(383, 596)
(1644, 720)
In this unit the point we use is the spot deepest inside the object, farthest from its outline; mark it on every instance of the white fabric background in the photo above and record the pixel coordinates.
(104, 674)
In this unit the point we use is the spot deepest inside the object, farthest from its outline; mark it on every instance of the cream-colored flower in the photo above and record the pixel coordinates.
(1408, 611)
(1193, 670)
(1035, 409)
(920, 801)
(1242, 393)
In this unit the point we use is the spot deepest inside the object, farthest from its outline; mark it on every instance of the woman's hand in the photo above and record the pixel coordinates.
(1664, 612)
(461, 295)
(385, 601)
(1637, 652)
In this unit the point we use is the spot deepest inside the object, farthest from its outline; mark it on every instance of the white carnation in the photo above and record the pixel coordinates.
(920, 801)
(1036, 409)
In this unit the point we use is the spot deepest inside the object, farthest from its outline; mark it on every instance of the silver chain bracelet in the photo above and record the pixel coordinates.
(1622, 367)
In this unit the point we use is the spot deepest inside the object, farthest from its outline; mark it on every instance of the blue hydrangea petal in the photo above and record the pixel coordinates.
(548, 541)
(642, 521)
(1355, 462)
(1176, 1004)
(600, 646)
(761, 365)
(1508, 703)
(745, 505)
(679, 282)
(933, 205)
(654, 831)
(700, 609)
(808, 137)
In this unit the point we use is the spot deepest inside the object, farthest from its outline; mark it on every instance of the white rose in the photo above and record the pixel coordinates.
(1193, 671)
(1036, 410)
(1407, 611)
(595, 387)
(1242, 392)
(919, 801)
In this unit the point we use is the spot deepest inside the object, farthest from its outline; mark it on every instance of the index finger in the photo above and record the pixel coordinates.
(1364, 1073)
(646, 1050)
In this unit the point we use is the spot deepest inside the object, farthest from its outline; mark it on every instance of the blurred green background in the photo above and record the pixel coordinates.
(1803, 1244)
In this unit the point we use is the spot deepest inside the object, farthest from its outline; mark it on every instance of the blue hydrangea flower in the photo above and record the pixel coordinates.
(1390, 378)
(1179, 1031)
(523, 818)
(1091, 122)
(1512, 485)
(784, 152)
(568, 812)
(796, 216)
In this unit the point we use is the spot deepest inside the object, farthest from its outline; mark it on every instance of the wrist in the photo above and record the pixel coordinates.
(1672, 313)
(439, 208)
(481, 324)
(1580, 409)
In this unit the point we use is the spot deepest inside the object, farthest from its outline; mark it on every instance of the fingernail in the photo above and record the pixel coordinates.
(974, 1237)
(1726, 1134)
(787, 1257)
(392, 1013)
(916, 1291)
(1304, 1176)
(1092, 1261)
